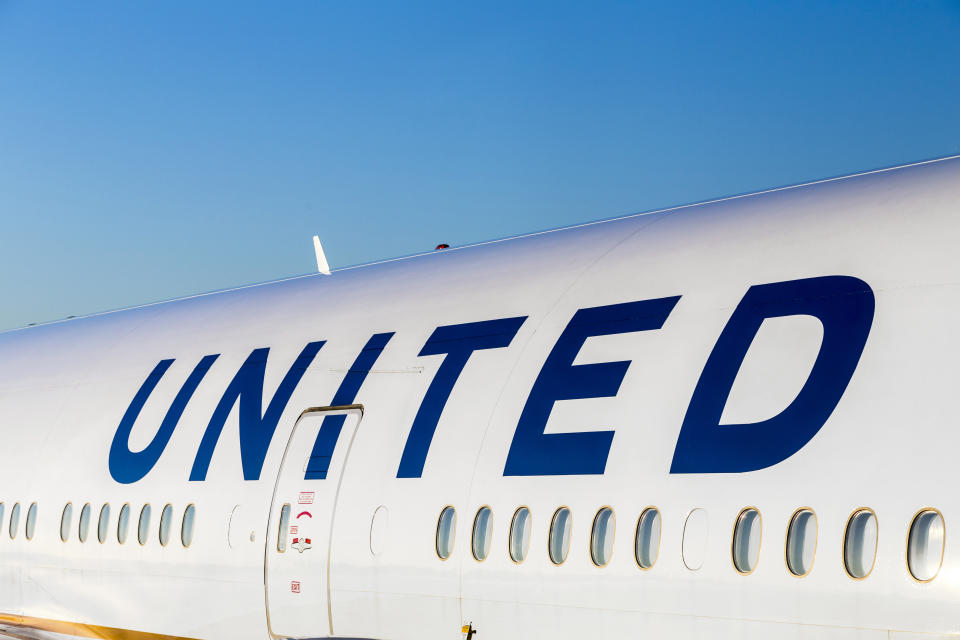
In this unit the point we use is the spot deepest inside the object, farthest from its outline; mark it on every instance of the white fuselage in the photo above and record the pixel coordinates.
(480, 413)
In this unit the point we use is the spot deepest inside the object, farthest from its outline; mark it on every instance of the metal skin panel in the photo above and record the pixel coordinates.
(889, 443)
(296, 571)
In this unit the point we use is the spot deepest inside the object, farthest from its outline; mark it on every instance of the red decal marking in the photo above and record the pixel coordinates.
(306, 497)
(304, 513)
(295, 586)
(294, 529)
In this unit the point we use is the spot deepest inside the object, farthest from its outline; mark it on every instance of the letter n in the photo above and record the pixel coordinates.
(256, 426)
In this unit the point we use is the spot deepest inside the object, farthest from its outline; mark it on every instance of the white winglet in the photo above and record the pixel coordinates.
(322, 265)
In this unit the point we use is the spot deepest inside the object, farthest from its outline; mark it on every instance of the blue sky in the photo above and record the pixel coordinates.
(153, 150)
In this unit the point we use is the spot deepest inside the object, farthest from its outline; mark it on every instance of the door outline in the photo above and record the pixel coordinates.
(346, 409)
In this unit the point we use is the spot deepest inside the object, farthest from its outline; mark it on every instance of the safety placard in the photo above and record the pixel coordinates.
(302, 544)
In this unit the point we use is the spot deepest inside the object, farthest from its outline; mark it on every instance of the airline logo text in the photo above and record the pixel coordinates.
(844, 306)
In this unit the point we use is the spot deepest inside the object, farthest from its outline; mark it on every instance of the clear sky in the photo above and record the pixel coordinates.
(150, 150)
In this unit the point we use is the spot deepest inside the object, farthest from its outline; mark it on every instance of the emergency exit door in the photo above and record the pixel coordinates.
(297, 559)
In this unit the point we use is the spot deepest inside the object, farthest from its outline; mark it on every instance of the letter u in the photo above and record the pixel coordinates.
(127, 466)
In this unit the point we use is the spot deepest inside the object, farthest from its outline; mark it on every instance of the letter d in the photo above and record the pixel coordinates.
(845, 306)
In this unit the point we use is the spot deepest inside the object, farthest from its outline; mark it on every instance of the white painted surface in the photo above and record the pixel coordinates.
(696, 535)
(890, 445)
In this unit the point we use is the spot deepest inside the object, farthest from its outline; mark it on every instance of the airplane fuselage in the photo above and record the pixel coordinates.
(726, 420)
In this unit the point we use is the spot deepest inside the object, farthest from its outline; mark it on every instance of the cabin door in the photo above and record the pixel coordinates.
(297, 560)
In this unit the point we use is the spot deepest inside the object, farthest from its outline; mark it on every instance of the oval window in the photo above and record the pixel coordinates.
(560, 528)
(31, 521)
(282, 527)
(14, 520)
(186, 528)
(482, 532)
(103, 524)
(746, 540)
(65, 522)
(123, 523)
(166, 522)
(860, 544)
(84, 529)
(446, 532)
(143, 529)
(925, 545)
(520, 534)
(801, 542)
(601, 536)
(647, 546)
(695, 532)
(378, 530)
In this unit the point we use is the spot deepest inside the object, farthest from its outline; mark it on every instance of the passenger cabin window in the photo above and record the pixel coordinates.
(166, 523)
(1, 513)
(446, 532)
(66, 521)
(103, 524)
(747, 532)
(84, 529)
(123, 524)
(925, 545)
(601, 536)
(14, 520)
(31, 521)
(520, 534)
(801, 542)
(282, 528)
(558, 544)
(186, 529)
(860, 544)
(482, 532)
(143, 529)
(647, 546)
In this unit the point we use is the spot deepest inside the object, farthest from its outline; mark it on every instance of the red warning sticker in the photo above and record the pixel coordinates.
(294, 586)
(294, 529)
(306, 497)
